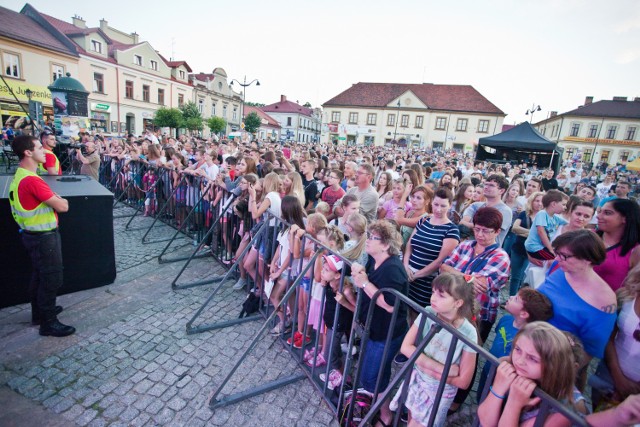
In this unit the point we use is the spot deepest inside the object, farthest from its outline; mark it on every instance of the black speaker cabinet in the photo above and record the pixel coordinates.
(87, 239)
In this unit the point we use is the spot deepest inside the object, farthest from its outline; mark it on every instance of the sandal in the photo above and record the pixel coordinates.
(319, 359)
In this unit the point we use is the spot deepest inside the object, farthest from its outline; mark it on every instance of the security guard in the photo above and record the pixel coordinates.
(51, 165)
(34, 207)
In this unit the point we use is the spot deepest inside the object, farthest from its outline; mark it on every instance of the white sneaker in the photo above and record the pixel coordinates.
(345, 347)
(335, 379)
(241, 283)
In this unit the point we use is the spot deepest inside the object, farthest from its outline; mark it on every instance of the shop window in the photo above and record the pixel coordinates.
(11, 64)
(587, 154)
(624, 156)
(604, 157)
(98, 82)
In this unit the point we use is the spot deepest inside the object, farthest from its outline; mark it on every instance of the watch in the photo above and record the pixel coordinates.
(364, 285)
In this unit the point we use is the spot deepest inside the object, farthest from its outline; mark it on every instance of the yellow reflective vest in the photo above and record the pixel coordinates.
(42, 218)
(43, 171)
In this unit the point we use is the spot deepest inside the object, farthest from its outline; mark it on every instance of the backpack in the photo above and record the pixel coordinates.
(361, 403)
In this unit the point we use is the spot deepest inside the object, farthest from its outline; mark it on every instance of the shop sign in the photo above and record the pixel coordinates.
(95, 106)
(38, 93)
(97, 116)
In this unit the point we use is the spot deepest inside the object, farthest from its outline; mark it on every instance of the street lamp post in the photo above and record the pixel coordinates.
(395, 132)
(29, 93)
(244, 92)
(532, 111)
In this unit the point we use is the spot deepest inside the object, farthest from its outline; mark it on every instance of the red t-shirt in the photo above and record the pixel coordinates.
(50, 162)
(32, 191)
(331, 196)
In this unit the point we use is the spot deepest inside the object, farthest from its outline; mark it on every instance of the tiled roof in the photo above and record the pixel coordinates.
(248, 109)
(618, 109)
(175, 64)
(436, 97)
(203, 77)
(288, 107)
(23, 28)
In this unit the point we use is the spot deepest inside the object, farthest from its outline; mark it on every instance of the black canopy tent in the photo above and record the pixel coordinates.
(520, 144)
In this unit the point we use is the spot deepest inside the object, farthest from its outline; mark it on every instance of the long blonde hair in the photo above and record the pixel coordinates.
(359, 225)
(529, 204)
(270, 184)
(296, 189)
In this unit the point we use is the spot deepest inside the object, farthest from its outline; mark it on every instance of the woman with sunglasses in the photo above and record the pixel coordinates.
(583, 303)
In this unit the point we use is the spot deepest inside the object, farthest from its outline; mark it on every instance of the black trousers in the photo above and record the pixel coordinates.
(45, 251)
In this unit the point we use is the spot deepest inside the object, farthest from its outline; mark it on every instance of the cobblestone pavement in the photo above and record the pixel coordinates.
(132, 363)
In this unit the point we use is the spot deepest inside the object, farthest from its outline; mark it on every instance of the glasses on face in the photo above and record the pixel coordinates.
(371, 236)
(563, 257)
(362, 173)
(483, 231)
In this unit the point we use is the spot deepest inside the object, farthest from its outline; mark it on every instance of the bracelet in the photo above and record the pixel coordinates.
(495, 394)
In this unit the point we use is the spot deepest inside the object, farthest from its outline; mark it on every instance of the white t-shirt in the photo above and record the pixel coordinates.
(627, 347)
(211, 171)
(275, 206)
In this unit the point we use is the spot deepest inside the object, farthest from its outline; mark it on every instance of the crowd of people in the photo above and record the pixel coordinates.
(455, 236)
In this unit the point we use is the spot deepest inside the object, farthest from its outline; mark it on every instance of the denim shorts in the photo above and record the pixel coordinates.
(305, 284)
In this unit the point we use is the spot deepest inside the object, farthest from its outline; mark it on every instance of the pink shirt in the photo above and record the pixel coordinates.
(615, 267)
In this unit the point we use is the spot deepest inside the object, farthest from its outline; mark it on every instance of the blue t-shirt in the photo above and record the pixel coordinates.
(573, 314)
(505, 332)
(550, 224)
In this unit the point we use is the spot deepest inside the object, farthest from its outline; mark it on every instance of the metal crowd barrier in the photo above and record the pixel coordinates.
(352, 366)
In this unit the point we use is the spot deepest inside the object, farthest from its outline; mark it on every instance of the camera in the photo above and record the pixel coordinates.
(67, 142)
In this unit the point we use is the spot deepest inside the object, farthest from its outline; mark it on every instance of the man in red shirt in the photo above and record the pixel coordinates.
(51, 165)
(35, 208)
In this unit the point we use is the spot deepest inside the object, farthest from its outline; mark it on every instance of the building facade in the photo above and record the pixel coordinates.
(605, 131)
(269, 129)
(31, 59)
(298, 123)
(215, 97)
(420, 115)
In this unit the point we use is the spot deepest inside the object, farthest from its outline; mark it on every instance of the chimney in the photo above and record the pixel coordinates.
(104, 25)
(620, 98)
(79, 22)
(283, 98)
(588, 100)
(135, 38)
(553, 114)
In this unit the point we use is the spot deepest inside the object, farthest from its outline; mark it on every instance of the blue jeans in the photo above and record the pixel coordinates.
(509, 240)
(371, 361)
(518, 264)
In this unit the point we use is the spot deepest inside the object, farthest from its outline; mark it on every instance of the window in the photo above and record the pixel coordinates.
(335, 117)
(180, 99)
(96, 46)
(154, 65)
(568, 152)
(483, 126)
(604, 157)
(182, 74)
(146, 93)
(372, 118)
(98, 82)
(624, 156)
(575, 129)
(201, 106)
(441, 123)
(419, 122)
(161, 96)
(235, 113)
(213, 109)
(137, 59)
(611, 131)
(11, 65)
(128, 89)
(289, 120)
(631, 133)
(353, 118)
(224, 111)
(404, 121)
(461, 125)
(586, 155)
(57, 71)
(593, 131)
(391, 120)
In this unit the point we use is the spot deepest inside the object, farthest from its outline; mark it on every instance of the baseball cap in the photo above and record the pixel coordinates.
(334, 262)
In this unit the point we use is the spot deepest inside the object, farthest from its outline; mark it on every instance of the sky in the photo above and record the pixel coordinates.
(518, 54)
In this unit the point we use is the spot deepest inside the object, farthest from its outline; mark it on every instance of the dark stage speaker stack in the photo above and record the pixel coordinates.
(87, 239)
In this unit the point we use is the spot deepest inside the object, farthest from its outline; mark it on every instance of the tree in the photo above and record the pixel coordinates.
(191, 117)
(307, 104)
(168, 117)
(252, 122)
(217, 124)
(254, 104)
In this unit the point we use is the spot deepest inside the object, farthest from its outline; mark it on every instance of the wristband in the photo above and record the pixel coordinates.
(495, 394)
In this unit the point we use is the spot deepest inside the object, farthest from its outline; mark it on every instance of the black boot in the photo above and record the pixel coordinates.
(35, 314)
(56, 329)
